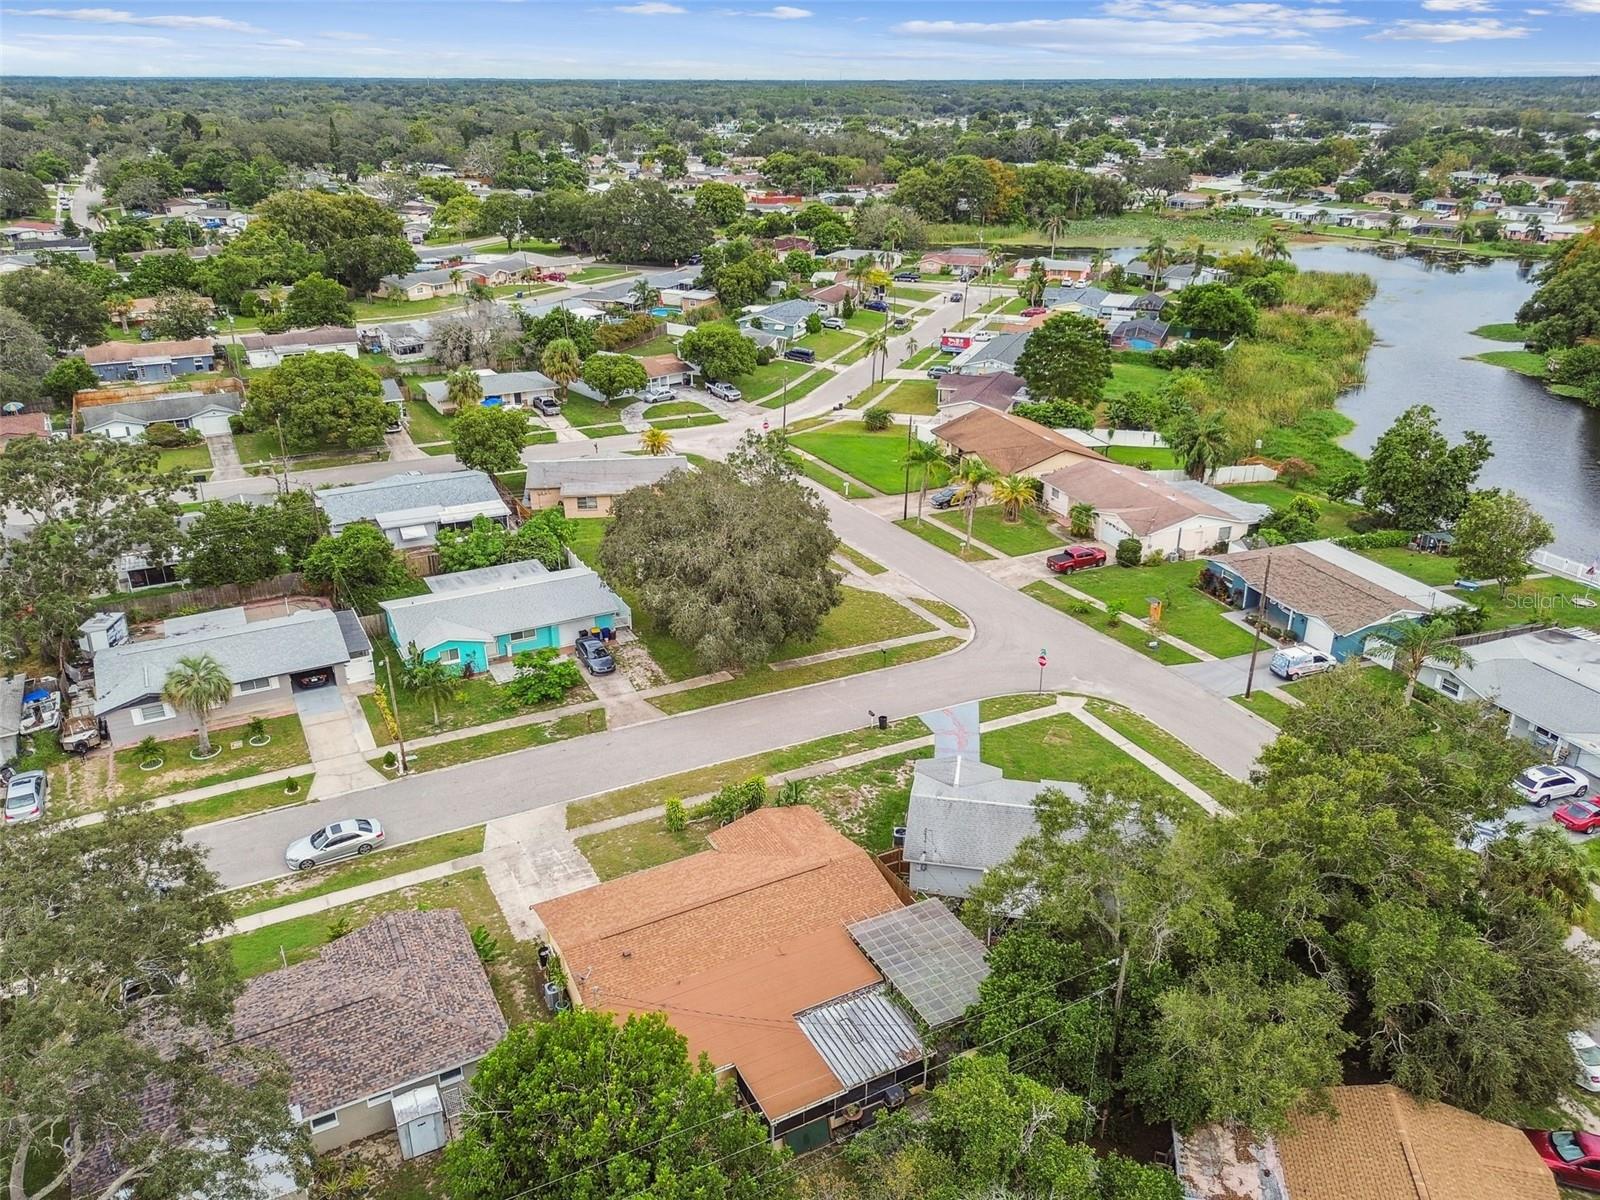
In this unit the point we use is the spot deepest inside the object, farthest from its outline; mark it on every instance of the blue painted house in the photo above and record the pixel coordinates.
(1330, 598)
(474, 618)
(150, 362)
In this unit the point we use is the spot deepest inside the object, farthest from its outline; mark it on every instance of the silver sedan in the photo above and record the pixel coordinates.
(342, 839)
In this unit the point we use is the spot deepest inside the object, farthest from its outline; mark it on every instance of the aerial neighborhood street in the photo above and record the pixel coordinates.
(695, 641)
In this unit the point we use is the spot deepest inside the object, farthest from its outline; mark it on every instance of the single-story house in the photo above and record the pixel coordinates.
(207, 413)
(688, 299)
(1546, 681)
(412, 507)
(424, 285)
(785, 320)
(1075, 298)
(830, 298)
(585, 487)
(142, 308)
(1189, 201)
(409, 986)
(1056, 270)
(1141, 333)
(262, 659)
(799, 1010)
(958, 394)
(999, 353)
(1388, 199)
(1011, 444)
(469, 619)
(150, 362)
(1377, 1143)
(887, 259)
(21, 425)
(1324, 595)
(1436, 227)
(270, 349)
(1149, 304)
(400, 341)
(392, 394)
(501, 389)
(792, 241)
(936, 261)
(1180, 516)
(965, 819)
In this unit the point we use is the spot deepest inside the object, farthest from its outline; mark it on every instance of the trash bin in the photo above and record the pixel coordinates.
(883, 721)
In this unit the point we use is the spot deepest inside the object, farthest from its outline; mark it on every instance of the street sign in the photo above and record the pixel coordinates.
(1042, 662)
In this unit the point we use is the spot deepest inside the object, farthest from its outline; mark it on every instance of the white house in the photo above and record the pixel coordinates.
(1170, 516)
(126, 420)
(412, 507)
(270, 349)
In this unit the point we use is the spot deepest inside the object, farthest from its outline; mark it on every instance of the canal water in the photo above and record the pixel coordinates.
(1545, 448)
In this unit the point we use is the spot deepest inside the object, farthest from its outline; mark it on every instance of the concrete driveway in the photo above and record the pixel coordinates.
(1227, 676)
(338, 739)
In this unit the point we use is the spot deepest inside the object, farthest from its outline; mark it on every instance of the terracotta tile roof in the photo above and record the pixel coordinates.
(1385, 1145)
(1142, 503)
(15, 425)
(111, 352)
(1312, 585)
(731, 943)
(1008, 443)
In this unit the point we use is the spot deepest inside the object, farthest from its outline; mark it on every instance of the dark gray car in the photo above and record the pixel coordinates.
(343, 839)
(593, 654)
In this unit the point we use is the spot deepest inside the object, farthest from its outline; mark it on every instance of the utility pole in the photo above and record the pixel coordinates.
(905, 496)
(283, 460)
(1261, 615)
(394, 707)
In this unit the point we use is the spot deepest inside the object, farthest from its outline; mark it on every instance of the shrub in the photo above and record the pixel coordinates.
(542, 675)
(876, 418)
(675, 818)
(256, 729)
(1113, 614)
(1470, 619)
(390, 761)
(339, 928)
(1383, 539)
(168, 436)
(487, 947)
(1295, 471)
(734, 801)
(1202, 353)
(619, 335)
(1155, 558)
(236, 424)
(149, 750)
(791, 793)
(291, 786)
(1129, 552)
(765, 355)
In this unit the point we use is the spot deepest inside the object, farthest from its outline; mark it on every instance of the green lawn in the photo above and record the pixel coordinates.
(1437, 570)
(672, 423)
(639, 846)
(865, 321)
(1136, 377)
(597, 274)
(263, 447)
(861, 560)
(877, 459)
(1502, 331)
(1547, 599)
(186, 458)
(900, 291)
(1060, 747)
(1182, 758)
(818, 473)
(368, 868)
(922, 358)
(764, 381)
(672, 656)
(829, 342)
(1031, 533)
(426, 423)
(948, 613)
(1157, 458)
(243, 802)
(378, 309)
(1265, 705)
(868, 394)
(1335, 517)
(603, 431)
(805, 387)
(237, 760)
(928, 531)
(660, 344)
(915, 397)
(674, 408)
(759, 681)
(1189, 614)
(860, 617)
(1164, 653)
(500, 741)
(581, 411)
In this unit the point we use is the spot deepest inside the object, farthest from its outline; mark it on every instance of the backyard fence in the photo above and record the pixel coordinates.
(226, 595)
(1587, 573)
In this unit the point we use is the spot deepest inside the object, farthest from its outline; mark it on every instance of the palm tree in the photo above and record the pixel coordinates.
(877, 344)
(860, 269)
(1535, 228)
(969, 477)
(1011, 492)
(428, 680)
(643, 295)
(197, 683)
(922, 455)
(273, 294)
(463, 388)
(1271, 246)
(1392, 225)
(1157, 257)
(1081, 518)
(1201, 444)
(121, 307)
(655, 441)
(561, 363)
(1413, 643)
(1055, 220)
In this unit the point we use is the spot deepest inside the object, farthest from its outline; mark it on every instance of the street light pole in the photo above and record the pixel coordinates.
(1261, 615)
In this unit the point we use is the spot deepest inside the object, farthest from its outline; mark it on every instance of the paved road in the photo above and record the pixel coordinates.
(83, 196)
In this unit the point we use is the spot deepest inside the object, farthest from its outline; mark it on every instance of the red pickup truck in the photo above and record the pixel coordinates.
(1076, 558)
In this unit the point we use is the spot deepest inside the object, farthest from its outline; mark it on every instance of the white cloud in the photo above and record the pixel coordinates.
(652, 8)
(783, 12)
(1470, 30)
(1457, 5)
(1584, 6)
(116, 16)
(340, 35)
(283, 44)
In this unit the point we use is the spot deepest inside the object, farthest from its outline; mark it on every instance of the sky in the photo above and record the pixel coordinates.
(806, 39)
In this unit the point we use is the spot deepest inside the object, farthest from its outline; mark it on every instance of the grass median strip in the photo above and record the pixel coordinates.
(1266, 706)
(758, 681)
(948, 613)
(943, 539)
(818, 473)
(500, 741)
(861, 560)
(243, 802)
(1183, 759)
(369, 868)
(1165, 653)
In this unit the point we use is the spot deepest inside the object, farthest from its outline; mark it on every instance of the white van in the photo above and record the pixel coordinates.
(1298, 661)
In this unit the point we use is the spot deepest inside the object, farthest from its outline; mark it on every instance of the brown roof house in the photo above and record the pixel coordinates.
(1324, 595)
(1379, 1143)
(380, 1031)
(1010, 444)
(21, 425)
(1172, 516)
(960, 394)
(773, 953)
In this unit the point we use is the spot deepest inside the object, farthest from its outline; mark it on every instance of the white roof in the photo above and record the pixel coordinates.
(489, 606)
(1550, 677)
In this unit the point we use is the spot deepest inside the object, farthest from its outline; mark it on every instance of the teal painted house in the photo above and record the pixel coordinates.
(470, 619)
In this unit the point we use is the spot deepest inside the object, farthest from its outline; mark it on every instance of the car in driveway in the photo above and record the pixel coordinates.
(939, 371)
(1034, 311)
(983, 335)
(833, 322)
(344, 838)
(725, 391)
(1572, 1155)
(1296, 662)
(942, 497)
(657, 393)
(27, 792)
(592, 653)
(876, 305)
(1076, 558)
(548, 406)
(1580, 816)
(1540, 785)
(1587, 1059)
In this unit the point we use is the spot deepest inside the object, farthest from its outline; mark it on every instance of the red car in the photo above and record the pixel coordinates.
(1076, 558)
(1580, 816)
(554, 277)
(1034, 312)
(1572, 1156)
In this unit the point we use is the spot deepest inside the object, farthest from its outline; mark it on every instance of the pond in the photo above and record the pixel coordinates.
(1545, 448)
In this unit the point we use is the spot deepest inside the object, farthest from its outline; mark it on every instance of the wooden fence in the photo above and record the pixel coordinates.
(227, 595)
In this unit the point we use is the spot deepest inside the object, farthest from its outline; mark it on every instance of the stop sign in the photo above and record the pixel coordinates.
(1042, 662)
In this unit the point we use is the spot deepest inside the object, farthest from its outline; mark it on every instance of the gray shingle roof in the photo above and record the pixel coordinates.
(1003, 349)
(505, 383)
(301, 641)
(1548, 676)
(412, 490)
(319, 335)
(168, 406)
(787, 312)
(497, 607)
(601, 476)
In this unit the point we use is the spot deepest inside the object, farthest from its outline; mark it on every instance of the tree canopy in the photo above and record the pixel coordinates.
(721, 352)
(1415, 477)
(490, 439)
(320, 400)
(1067, 358)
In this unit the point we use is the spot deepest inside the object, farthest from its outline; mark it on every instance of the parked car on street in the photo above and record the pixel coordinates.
(803, 354)
(1034, 311)
(725, 391)
(833, 322)
(26, 795)
(1076, 558)
(877, 305)
(1572, 1155)
(548, 406)
(902, 322)
(938, 371)
(1540, 785)
(1587, 1055)
(955, 297)
(554, 276)
(342, 839)
(1580, 816)
(907, 277)
(592, 653)
(1296, 662)
(942, 497)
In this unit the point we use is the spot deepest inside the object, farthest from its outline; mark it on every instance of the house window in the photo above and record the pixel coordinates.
(149, 714)
(327, 1120)
(1544, 735)
(446, 1078)
(588, 503)
(450, 657)
(1450, 685)
(264, 684)
(379, 1101)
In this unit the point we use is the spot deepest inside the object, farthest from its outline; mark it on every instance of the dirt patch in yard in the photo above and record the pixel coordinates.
(634, 660)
